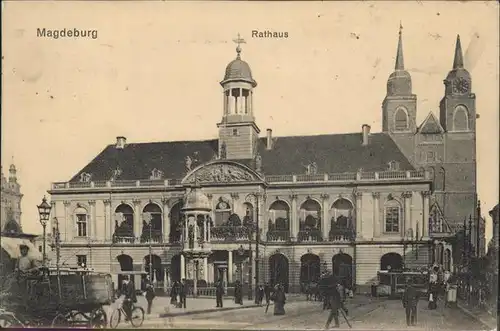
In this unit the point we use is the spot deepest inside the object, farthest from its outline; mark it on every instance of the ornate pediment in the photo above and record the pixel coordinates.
(221, 172)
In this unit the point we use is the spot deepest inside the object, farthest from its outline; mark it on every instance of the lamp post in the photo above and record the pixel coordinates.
(254, 228)
(44, 212)
(241, 251)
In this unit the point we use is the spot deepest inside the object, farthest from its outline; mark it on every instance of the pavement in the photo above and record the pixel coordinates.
(365, 313)
(487, 318)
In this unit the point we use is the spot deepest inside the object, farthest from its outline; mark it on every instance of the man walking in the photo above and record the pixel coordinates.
(410, 302)
(219, 292)
(267, 292)
(335, 303)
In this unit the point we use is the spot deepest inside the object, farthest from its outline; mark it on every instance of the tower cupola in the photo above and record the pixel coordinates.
(238, 133)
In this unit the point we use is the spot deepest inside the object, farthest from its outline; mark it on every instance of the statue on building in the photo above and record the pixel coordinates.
(223, 152)
(258, 163)
(189, 163)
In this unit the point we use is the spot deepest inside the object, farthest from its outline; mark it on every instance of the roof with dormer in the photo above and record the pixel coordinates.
(332, 153)
(430, 125)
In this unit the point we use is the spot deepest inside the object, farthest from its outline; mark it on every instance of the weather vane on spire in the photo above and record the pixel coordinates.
(400, 27)
(239, 41)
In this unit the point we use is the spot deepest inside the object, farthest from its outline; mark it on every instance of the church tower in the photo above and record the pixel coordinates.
(238, 133)
(458, 119)
(400, 105)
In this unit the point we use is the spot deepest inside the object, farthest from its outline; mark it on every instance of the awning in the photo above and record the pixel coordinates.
(11, 246)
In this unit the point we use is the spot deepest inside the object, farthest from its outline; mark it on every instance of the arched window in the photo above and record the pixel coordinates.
(249, 214)
(392, 216)
(401, 120)
(176, 225)
(81, 222)
(310, 215)
(155, 212)
(439, 183)
(152, 220)
(460, 119)
(279, 215)
(124, 222)
(341, 214)
(222, 212)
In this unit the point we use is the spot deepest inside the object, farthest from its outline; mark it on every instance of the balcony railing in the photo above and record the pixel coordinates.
(156, 237)
(123, 240)
(272, 179)
(278, 236)
(232, 233)
(314, 235)
(341, 234)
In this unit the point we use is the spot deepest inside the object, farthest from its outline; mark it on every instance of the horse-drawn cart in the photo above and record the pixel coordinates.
(63, 298)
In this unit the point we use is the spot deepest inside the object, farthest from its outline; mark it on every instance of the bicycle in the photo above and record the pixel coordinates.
(136, 317)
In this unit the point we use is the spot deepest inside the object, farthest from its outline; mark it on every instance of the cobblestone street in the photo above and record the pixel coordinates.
(364, 313)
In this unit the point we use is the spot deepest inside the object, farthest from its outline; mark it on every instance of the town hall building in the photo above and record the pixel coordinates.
(352, 204)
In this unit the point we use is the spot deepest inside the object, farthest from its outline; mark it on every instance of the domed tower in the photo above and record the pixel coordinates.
(238, 133)
(399, 108)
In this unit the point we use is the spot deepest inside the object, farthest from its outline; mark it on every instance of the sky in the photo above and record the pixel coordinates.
(153, 73)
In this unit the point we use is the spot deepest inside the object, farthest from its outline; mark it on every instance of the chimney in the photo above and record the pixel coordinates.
(366, 133)
(120, 142)
(269, 142)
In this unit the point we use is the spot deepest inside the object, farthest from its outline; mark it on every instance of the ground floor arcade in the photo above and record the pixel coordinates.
(291, 265)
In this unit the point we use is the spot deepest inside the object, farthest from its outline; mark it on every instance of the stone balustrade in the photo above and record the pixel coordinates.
(271, 179)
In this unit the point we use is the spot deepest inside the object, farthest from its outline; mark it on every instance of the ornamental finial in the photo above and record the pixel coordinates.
(239, 41)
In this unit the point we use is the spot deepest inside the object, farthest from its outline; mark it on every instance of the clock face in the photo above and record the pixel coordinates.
(460, 85)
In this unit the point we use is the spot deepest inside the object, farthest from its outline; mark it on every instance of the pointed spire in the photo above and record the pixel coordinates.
(400, 65)
(458, 60)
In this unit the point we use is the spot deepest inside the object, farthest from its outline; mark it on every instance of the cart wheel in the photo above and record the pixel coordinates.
(98, 319)
(7, 321)
(115, 318)
(137, 317)
(60, 321)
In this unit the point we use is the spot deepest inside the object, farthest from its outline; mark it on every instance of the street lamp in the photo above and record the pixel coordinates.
(241, 251)
(44, 212)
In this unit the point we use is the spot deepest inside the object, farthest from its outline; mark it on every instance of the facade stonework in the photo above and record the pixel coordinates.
(353, 204)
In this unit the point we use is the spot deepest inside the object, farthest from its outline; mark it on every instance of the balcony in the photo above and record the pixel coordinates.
(278, 235)
(156, 237)
(311, 235)
(361, 177)
(341, 234)
(229, 233)
(123, 239)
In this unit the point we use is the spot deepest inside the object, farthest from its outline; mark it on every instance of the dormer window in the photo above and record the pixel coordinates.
(85, 177)
(393, 166)
(156, 174)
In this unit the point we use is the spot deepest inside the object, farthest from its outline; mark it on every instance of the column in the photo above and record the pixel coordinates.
(224, 101)
(108, 220)
(137, 218)
(165, 221)
(232, 102)
(229, 266)
(376, 214)
(324, 217)
(208, 231)
(253, 271)
(92, 231)
(205, 228)
(205, 269)
(195, 229)
(225, 277)
(294, 228)
(183, 267)
(407, 209)
(359, 218)
(263, 216)
(425, 214)
(185, 237)
(68, 225)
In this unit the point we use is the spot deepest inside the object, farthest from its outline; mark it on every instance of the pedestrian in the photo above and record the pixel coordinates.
(174, 293)
(150, 295)
(410, 303)
(432, 296)
(238, 297)
(183, 293)
(279, 299)
(219, 292)
(260, 293)
(335, 303)
(129, 297)
(267, 293)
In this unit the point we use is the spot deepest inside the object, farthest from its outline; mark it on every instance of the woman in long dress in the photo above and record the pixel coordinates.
(279, 300)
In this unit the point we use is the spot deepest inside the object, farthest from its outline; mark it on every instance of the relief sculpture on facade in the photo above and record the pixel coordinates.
(220, 173)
